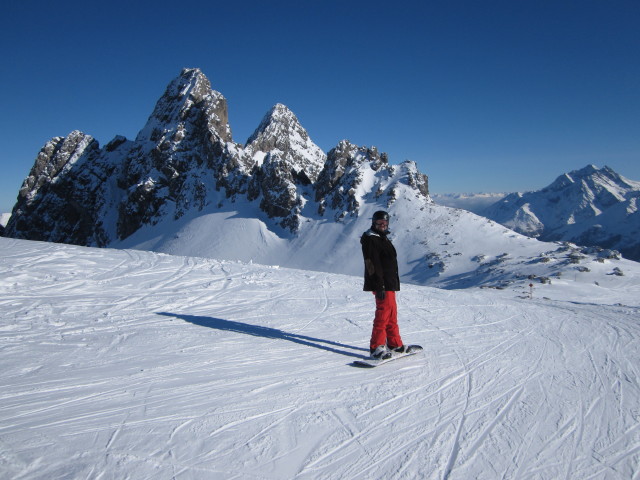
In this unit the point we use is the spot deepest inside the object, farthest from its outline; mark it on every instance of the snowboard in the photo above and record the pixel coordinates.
(369, 362)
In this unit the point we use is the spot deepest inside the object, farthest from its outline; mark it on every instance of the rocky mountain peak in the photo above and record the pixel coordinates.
(187, 100)
(57, 201)
(278, 121)
(281, 134)
(58, 154)
(352, 175)
(185, 147)
(591, 189)
(346, 159)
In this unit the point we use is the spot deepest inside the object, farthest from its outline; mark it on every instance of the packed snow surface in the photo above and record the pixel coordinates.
(130, 364)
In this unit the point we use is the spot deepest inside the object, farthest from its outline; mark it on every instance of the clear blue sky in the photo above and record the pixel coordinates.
(487, 96)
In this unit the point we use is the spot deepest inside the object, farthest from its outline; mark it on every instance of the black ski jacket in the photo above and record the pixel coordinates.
(380, 263)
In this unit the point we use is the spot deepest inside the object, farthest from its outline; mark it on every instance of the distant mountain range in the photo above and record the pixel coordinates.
(184, 187)
(591, 207)
(473, 202)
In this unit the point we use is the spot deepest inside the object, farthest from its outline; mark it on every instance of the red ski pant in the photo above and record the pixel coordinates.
(385, 324)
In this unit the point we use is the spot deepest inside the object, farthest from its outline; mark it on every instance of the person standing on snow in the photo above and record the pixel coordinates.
(381, 277)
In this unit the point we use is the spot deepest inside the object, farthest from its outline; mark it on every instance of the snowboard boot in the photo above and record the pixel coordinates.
(381, 352)
(405, 349)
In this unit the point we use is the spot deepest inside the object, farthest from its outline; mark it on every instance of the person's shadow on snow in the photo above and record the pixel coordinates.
(266, 332)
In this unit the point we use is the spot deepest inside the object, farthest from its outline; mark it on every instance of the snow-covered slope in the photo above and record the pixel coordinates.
(436, 245)
(590, 206)
(132, 364)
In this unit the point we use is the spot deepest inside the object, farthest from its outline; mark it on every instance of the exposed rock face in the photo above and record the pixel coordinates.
(288, 163)
(590, 207)
(340, 182)
(417, 180)
(354, 173)
(281, 134)
(185, 160)
(63, 197)
(184, 150)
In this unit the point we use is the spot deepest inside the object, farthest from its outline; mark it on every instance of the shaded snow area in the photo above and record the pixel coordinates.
(129, 364)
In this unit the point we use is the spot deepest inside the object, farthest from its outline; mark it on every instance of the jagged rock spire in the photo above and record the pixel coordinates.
(188, 99)
(281, 134)
(183, 152)
(59, 199)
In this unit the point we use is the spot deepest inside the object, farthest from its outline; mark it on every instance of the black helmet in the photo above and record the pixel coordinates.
(380, 215)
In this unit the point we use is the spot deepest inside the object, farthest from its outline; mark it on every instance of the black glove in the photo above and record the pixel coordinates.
(381, 294)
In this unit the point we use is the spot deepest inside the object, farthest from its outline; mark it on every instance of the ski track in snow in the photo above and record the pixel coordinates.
(127, 364)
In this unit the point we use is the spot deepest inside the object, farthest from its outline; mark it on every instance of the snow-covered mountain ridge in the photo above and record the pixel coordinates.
(132, 364)
(591, 206)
